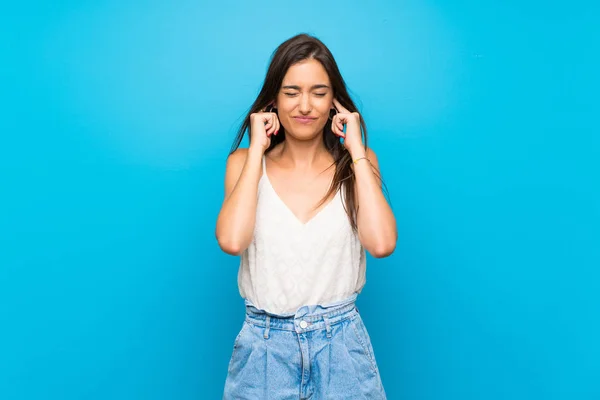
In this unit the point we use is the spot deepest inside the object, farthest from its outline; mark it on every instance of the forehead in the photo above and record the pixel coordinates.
(306, 73)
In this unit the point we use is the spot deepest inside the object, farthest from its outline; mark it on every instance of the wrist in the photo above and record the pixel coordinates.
(255, 152)
(357, 153)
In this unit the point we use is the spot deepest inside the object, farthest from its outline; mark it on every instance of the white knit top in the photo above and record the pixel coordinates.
(290, 264)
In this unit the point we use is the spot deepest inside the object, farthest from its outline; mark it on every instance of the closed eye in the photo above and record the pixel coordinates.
(316, 94)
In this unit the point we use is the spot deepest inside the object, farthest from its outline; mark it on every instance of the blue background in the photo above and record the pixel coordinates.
(116, 119)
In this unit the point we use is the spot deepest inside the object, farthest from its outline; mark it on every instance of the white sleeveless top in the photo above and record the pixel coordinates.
(290, 264)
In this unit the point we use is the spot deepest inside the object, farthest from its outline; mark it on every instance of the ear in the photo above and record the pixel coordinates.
(272, 105)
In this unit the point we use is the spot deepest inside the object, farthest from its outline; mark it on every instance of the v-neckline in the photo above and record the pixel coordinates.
(289, 210)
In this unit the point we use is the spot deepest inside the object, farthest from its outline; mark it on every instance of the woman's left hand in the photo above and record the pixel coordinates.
(352, 137)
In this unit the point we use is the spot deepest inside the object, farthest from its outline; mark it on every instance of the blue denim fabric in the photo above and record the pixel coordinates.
(320, 352)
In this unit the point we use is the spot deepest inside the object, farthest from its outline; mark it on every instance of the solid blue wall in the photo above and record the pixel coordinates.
(116, 120)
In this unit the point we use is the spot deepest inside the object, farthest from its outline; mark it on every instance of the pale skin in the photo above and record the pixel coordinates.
(300, 168)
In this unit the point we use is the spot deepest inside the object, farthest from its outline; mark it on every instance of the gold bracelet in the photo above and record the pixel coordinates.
(360, 158)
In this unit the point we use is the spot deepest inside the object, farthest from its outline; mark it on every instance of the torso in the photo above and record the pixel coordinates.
(298, 255)
(301, 191)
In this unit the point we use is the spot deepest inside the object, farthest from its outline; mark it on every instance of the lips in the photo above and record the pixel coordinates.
(304, 120)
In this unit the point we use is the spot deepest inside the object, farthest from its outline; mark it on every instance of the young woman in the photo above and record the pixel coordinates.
(302, 204)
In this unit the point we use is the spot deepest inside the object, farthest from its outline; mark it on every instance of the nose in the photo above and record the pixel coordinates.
(305, 107)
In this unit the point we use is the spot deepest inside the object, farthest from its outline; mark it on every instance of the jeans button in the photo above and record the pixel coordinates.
(303, 324)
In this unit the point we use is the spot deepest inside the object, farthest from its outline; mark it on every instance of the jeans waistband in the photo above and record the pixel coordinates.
(306, 318)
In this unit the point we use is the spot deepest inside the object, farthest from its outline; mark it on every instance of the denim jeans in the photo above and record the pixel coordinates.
(320, 352)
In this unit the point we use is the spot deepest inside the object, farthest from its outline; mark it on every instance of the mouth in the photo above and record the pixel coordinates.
(305, 120)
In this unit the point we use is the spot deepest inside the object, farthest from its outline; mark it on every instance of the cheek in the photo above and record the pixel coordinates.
(285, 106)
(324, 105)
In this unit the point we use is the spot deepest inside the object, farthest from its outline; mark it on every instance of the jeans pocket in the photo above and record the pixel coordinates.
(363, 337)
(236, 343)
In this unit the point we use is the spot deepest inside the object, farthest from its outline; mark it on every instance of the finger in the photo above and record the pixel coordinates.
(272, 124)
(275, 123)
(269, 130)
(339, 106)
(278, 125)
(268, 124)
(337, 131)
(272, 131)
(339, 122)
(334, 130)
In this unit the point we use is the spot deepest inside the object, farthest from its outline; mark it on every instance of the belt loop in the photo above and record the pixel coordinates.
(266, 335)
(327, 326)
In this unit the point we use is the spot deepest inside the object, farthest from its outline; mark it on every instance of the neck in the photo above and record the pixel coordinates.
(303, 153)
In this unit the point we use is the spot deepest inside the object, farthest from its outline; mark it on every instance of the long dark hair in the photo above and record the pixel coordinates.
(299, 48)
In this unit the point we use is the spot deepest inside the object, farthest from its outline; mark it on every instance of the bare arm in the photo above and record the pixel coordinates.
(376, 222)
(235, 223)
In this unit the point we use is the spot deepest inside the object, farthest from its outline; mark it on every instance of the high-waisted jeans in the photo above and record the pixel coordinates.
(321, 352)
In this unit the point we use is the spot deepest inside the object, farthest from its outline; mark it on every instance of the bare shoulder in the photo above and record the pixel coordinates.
(233, 169)
(235, 162)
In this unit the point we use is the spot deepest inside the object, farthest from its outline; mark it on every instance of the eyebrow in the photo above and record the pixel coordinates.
(296, 87)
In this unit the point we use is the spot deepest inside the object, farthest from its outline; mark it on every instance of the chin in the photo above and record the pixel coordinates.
(304, 133)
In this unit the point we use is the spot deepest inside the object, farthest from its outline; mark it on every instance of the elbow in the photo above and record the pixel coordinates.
(383, 252)
(383, 248)
(230, 246)
(229, 240)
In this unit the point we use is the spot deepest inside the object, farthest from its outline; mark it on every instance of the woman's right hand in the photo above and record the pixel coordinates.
(262, 125)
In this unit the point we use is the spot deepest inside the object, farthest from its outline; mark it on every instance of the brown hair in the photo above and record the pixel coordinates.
(299, 48)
